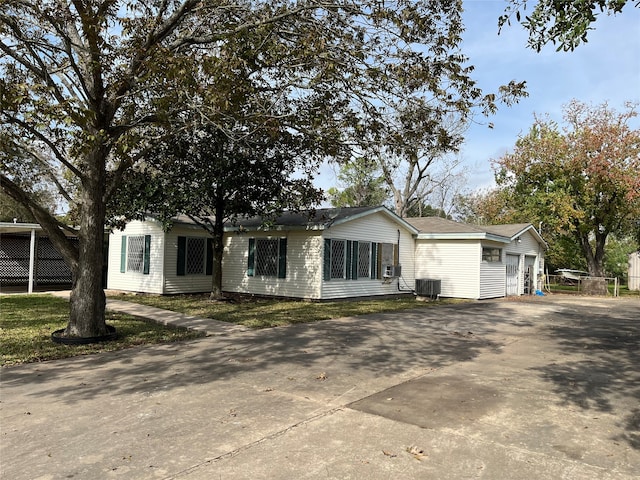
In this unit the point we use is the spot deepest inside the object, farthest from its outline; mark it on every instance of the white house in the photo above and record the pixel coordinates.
(478, 262)
(333, 253)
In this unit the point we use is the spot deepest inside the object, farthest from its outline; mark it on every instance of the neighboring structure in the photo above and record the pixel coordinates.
(479, 262)
(29, 259)
(634, 271)
(335, 253)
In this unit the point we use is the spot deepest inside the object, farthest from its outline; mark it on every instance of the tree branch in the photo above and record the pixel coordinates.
(49, 223)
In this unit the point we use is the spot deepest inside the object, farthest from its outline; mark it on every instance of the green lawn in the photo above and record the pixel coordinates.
(260, 312)
(27, 321)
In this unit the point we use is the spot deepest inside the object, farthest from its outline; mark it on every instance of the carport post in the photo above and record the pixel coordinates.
(32, 254)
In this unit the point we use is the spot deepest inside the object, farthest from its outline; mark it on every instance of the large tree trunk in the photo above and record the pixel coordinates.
(87, 302)
(218, 251)
(595, 259)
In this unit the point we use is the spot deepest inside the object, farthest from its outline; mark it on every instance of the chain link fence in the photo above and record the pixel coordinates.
(605, 286)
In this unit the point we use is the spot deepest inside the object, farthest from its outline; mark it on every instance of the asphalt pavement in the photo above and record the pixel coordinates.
(544, 388)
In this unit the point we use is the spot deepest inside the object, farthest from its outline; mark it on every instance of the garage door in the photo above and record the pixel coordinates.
(512, 274)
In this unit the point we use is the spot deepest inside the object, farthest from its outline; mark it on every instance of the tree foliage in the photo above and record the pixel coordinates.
(582, 181)
(362, 185)
(86, 87)
(565, 23)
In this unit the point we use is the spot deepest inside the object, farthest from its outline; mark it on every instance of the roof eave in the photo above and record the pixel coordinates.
(463, 236)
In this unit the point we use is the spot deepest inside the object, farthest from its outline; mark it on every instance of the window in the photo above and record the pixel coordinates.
(267, 257)
(135, 253)
(364, 259)
(338, 256)
(491, 254)
(352, 260)
(194, 256)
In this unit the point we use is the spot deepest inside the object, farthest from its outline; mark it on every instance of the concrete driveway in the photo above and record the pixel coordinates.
(543, 388)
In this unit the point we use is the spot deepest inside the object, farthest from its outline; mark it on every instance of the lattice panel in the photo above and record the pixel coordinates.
(338, 252)
(364, 259)
(267, 257)
(135, 253)
(51, 268)
(195, 255)
(14, 259)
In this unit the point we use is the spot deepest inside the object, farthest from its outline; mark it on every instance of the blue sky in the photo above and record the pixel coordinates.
(607, 68)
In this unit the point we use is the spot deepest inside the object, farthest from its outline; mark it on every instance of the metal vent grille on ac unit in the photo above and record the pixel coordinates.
(428, 287)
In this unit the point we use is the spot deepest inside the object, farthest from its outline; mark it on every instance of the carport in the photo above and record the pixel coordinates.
(29, 258)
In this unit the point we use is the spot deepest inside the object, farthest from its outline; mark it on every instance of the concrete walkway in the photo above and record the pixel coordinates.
(504, 390)
(208, 326)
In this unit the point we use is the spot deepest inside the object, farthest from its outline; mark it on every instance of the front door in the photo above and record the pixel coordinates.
(512, 274)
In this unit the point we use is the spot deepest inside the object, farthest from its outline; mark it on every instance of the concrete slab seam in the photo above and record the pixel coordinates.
(249, 446)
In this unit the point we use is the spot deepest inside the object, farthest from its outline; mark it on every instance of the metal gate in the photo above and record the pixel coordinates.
(513, 262)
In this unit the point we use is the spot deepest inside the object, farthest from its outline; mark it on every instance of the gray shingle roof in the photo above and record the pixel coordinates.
(442, 225)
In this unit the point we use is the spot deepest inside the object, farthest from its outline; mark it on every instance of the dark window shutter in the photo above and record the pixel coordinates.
(252, 257)
(182, 256)
(354, 261)
(379, 262)
(209, 257)
(146, 260)
(396, 254)
(123, 254)
(282, 258)
(374, 260)
(327, 259)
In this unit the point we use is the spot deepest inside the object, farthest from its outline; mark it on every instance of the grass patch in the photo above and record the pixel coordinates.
(27, 321)
(256, 312)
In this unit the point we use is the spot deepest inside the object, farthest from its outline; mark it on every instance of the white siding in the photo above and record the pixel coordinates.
(304, 265)
(454, 262)
(528, 246)
(174, 283)
(135, 281)
(634, 271)
(492, 280)
(375, 228)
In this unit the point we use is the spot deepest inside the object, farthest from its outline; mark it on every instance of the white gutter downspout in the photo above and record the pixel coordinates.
(32, 254)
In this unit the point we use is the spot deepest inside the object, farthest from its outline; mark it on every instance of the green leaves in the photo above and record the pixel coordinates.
(581, 180)
(565, 23)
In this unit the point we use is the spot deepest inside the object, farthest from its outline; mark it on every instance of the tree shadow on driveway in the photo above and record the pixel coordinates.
(349, 351)
(600, 365)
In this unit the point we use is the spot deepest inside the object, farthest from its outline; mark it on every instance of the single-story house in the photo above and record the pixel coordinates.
(330, 254)
(334, 253)
(479, 261)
